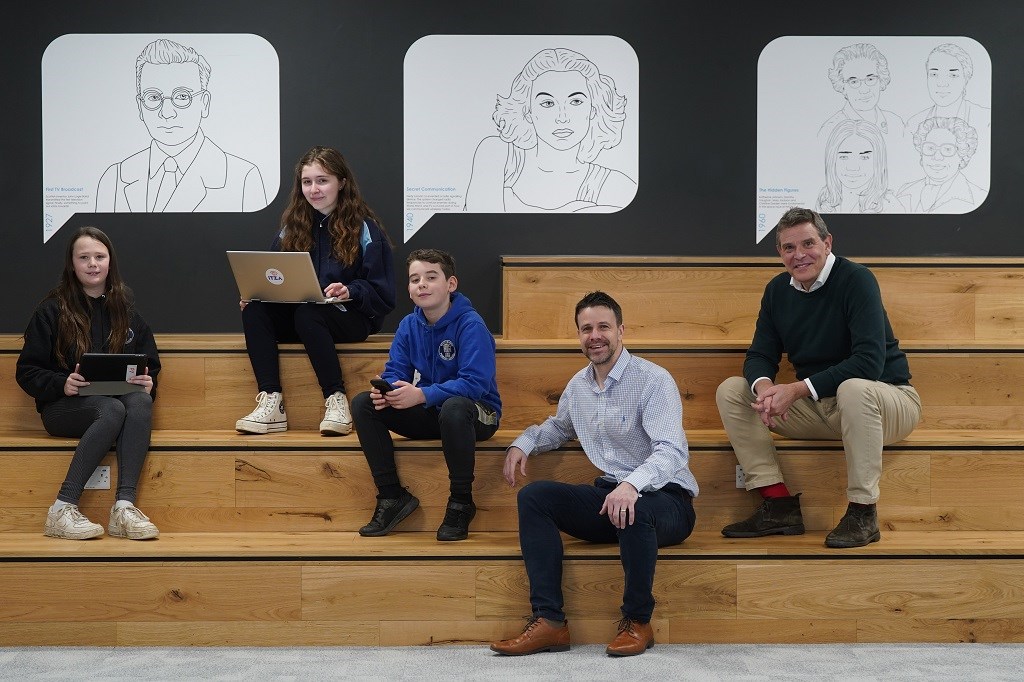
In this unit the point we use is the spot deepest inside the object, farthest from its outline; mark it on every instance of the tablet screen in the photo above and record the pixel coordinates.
(108, 373)
(111, 366)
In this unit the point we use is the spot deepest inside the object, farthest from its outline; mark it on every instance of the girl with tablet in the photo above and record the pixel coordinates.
(91, 310)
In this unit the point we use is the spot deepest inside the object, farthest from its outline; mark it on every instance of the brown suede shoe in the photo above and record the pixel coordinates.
(858, 527)
(540, 634)
(775, 516)
(633, 638)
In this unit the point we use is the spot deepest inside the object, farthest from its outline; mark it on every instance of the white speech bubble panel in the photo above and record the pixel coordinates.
(100, 152)
(852, 150)
(564, 149)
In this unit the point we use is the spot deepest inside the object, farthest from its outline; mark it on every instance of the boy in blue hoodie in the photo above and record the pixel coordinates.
(441, 371)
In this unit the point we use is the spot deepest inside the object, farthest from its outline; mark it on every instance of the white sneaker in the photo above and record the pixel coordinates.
(129, 522)
(70, 524)
(338, 419)
(268, 417)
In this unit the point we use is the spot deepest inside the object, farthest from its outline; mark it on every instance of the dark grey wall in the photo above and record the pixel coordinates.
(698, 63)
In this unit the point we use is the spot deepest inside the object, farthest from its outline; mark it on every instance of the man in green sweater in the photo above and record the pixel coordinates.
(853, 382)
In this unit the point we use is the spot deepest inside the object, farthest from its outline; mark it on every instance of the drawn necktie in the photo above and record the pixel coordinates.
(167, 184)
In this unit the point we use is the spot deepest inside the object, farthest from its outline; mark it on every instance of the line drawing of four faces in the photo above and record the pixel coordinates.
(860, 138)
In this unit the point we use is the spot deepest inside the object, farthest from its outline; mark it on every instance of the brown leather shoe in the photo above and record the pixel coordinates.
(633, 638)
(540, 634)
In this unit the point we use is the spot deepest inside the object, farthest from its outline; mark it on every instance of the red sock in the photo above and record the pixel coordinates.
(774, 490)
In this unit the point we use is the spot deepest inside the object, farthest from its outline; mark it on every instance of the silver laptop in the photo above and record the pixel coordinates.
(277, 277)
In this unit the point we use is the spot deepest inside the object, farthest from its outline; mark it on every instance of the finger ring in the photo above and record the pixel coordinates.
(622, 511)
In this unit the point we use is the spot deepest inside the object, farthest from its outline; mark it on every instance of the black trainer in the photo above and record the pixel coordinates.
(858, 527)
(388, 514)
(775, 516)
(456, 521)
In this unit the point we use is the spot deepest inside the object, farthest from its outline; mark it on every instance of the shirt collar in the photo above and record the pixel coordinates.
(830, 260)
(616, 372)
(184, 158)
(879, 119)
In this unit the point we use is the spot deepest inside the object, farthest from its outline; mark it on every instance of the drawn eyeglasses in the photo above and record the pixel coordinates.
(181, 98)
(854, 82)
(929, 149)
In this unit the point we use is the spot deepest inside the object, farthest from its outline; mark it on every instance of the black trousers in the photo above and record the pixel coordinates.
(456, 423)
(316, 327)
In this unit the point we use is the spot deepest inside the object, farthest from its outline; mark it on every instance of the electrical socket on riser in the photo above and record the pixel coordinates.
(100, 479)
(741, 481)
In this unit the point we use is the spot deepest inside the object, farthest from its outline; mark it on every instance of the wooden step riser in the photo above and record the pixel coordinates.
(943, 303)
(475, 601)
(333, 491)
(210, 392)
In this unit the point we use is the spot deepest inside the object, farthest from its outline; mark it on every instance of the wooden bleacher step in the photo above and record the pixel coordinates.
(259, 547)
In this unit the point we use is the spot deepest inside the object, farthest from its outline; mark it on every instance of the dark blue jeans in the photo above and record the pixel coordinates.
(663, 517)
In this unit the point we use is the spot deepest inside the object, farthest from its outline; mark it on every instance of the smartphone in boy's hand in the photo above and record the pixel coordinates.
(381, 385)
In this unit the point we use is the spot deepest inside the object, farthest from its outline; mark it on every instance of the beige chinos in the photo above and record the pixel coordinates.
(864, 414)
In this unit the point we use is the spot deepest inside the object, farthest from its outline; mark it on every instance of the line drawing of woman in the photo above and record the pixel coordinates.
(860, 73)
(560, 114)
(948, 70)
(856, 171)
(946, 146)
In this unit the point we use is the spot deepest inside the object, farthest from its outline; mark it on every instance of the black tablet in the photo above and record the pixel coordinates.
(108, 373)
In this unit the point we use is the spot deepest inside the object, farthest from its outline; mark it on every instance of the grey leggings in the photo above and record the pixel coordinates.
(101, 421)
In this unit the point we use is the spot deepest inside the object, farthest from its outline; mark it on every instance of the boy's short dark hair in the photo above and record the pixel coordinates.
(435, 256)
(599, 298)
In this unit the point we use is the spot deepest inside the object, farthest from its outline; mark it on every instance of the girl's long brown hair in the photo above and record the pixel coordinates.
(75, 311)
(346, 223)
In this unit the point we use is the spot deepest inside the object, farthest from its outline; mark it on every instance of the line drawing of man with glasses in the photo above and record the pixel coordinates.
(182, 170)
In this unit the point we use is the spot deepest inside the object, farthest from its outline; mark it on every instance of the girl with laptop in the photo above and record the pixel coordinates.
(91, 310)
(327, 217)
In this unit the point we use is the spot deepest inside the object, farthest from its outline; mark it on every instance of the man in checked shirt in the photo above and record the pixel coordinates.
(627, 415)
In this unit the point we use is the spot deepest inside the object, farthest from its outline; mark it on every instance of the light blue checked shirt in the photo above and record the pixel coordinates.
(632, 429)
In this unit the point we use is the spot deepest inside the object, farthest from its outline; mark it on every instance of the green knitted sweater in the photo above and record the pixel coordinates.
(835, 333)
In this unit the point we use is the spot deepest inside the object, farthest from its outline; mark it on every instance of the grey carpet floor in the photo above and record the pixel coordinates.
(883, 662)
